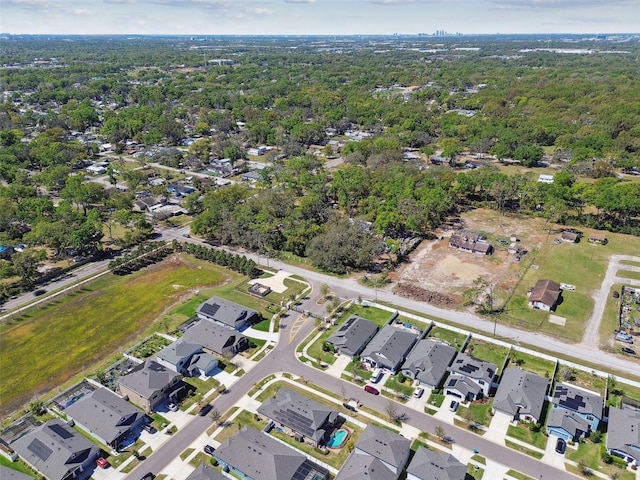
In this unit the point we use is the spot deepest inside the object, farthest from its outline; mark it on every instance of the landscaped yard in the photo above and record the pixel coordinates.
(530, 363)
(448, 336)
(589, 454)
(479, 412)
(76, 332)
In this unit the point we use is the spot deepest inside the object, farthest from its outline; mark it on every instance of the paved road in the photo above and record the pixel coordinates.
(282, 358)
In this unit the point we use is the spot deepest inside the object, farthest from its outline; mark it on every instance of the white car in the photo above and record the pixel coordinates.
(172, 406)
(376, 375)
(417, 393)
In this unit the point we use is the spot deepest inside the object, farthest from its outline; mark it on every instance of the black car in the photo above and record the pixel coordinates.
(561, 446)
(148, 476)
(208, 449)
(628, 350)
(205, 409)
(39, 292)
(148, 428)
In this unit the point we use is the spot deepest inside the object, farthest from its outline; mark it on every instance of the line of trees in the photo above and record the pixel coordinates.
(237, 263)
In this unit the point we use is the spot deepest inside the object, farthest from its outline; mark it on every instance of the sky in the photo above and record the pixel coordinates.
(317, 17)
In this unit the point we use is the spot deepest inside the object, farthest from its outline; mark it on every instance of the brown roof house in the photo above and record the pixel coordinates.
(544, 295)
(469, 241)
(571, 237)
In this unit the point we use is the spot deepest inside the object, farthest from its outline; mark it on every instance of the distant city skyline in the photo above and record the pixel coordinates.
(318, 17)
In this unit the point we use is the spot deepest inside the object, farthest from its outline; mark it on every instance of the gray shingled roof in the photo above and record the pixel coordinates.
(365, 467)
(213, 336)
(299, 413)
(7, 473)
(351, 337)
(225, 312)
(148, 379)
(105, 414)
(430, 465)
(390, 346)
(578, 400)
(55, 449)
(204, 472)
(261, 457)
(384, 445)
(471, 367)
(429, 360)
(568, 421)
(623, 431)
(463, 385)
(521, 392)
(178, 350)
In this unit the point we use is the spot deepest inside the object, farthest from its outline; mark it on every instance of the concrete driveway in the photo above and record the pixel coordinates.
(498, 428)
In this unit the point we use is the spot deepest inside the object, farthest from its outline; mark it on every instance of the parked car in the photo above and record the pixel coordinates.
(148, 476)
(417, 393)
(371, 390)
(102, 463)
(208, 449)
(40, 291)
(376, 375)
(172, 406)
(149, 428)
(561, 446)
(453, 406)
(205, 409)
(622, 336)
(628, 350)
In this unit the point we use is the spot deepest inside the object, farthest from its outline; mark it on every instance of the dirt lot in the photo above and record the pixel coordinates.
(439, 274)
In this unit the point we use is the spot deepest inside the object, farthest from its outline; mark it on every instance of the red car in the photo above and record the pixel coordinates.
(372, 390)
(102, 463)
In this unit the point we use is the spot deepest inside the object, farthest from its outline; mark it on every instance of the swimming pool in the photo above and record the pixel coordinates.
(337, 438)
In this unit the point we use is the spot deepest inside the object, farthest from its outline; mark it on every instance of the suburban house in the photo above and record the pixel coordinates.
(145, 204)
(254, 455)
(300, 416)
(251, 176)
(359, 467)
(106, 416)
(428, 465)
(623, 434)
(469, 241)
(389, 348)
(428, 361)
(598, 238)
(205, 472)
(521, 395)
(215, 338)
(226, 313)
(574, 412)
(149, 385)
(353, 335)
(544, 295)
(388, 447)
(470, 378)
(570, 237)
(56, 450)
(177, 355)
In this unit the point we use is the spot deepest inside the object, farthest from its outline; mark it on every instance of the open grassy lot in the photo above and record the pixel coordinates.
(582, 264)
(530, 363)
(70, 335)
(582, 379)
(487, 352)
(610, 322)
(628, 274)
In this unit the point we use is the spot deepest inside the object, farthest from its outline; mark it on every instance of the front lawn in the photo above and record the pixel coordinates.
(403, 388)
(524, 433)
(478, 412)
(590, 454)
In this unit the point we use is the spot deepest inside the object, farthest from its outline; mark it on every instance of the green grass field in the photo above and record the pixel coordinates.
(628, 274)
(487, 352)
(450, 337)
(530, 363)
(50, 345)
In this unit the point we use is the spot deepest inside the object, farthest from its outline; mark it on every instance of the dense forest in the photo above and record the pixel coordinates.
(369, 140)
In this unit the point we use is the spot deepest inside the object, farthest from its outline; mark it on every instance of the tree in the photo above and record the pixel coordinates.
(215, 415)
(26, 266)
(324, 289)
(392, 411)
(440, 433)
(37, 408)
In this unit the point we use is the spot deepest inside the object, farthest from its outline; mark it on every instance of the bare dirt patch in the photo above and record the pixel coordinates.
(439, 274)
